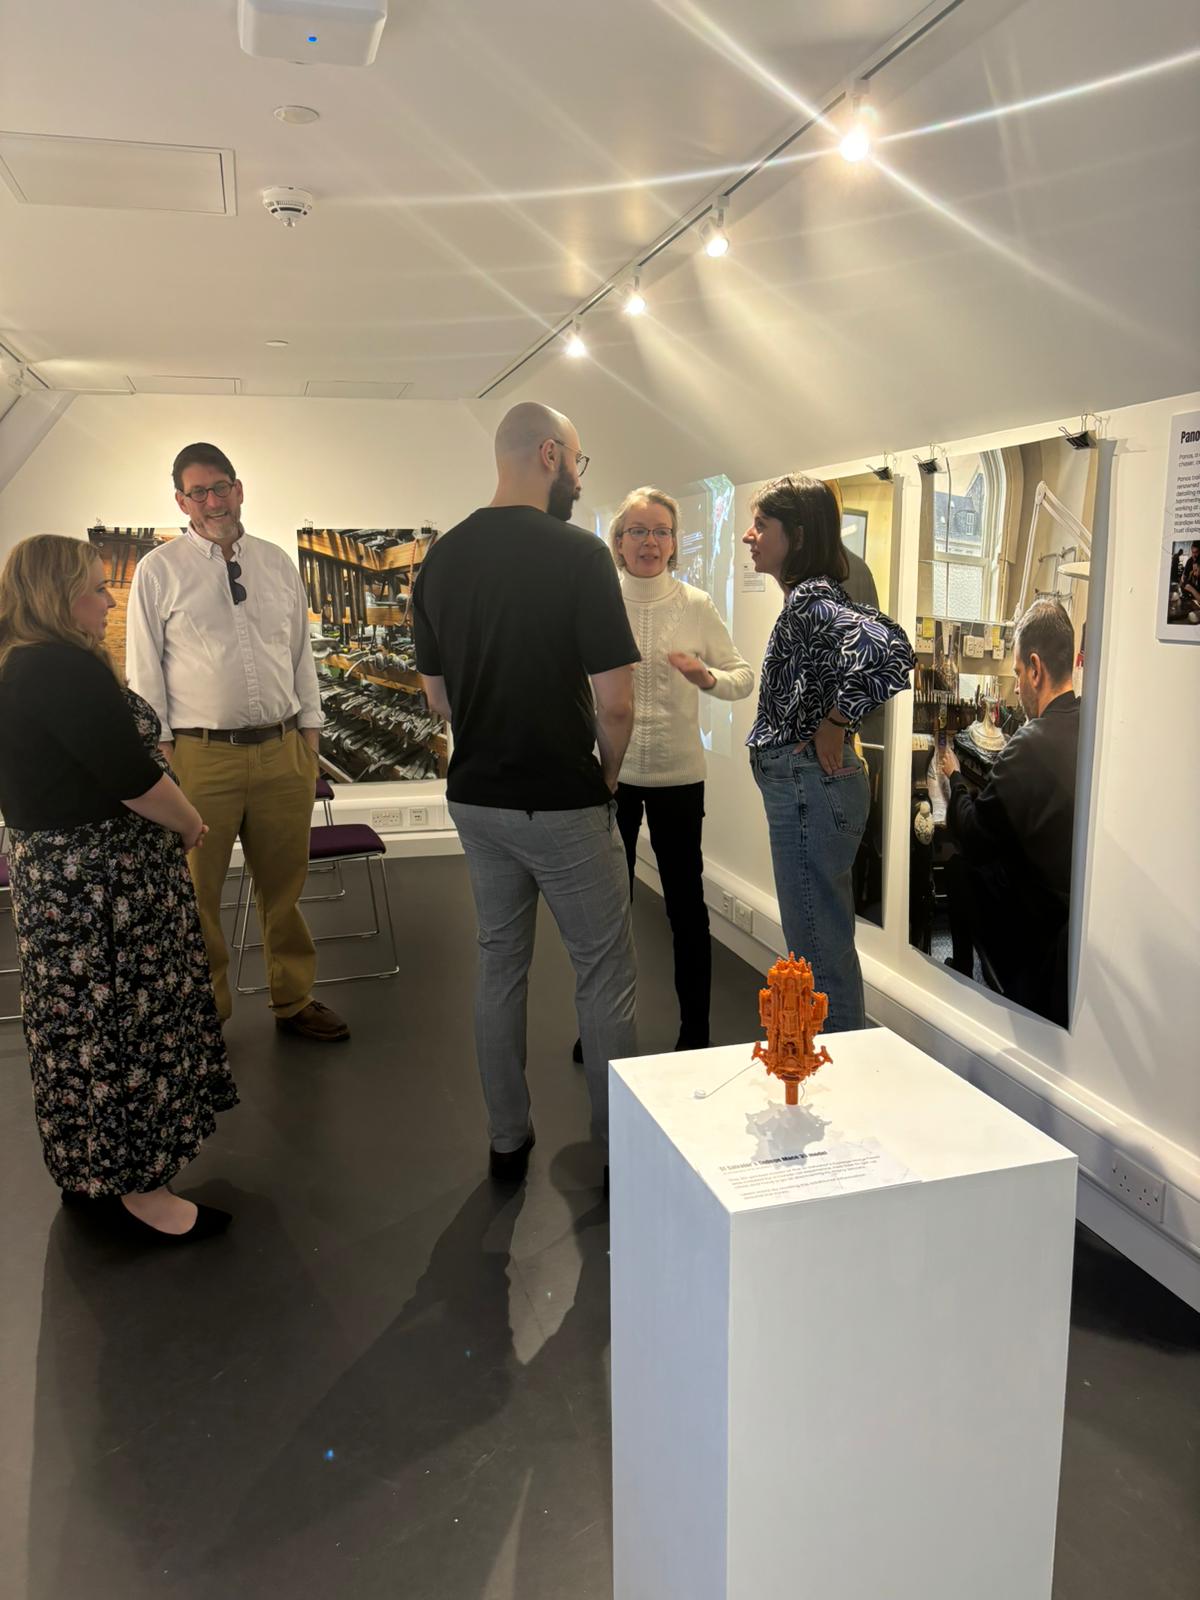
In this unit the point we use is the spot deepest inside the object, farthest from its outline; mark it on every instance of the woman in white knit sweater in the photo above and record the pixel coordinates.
(686, 652)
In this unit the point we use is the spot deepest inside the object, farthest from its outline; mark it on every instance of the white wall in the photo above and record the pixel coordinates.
(341, 463)
(1124, 1078)
(338, 463)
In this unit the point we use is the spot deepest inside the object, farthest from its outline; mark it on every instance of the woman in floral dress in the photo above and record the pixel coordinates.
(129, 1066)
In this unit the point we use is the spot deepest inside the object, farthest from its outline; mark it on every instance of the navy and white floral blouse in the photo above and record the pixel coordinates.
(826, 653)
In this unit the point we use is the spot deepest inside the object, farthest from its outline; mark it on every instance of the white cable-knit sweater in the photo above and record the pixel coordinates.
(667, 615)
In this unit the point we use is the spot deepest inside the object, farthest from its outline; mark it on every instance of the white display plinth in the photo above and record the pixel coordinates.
(822, 1388)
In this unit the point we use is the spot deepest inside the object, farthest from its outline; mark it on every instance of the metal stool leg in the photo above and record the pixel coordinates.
(12, 972)
(242, 941)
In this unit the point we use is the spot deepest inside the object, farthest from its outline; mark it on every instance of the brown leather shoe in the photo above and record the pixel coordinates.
(315, 1021)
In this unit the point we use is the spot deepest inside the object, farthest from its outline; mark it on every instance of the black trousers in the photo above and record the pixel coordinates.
(1024, 950)
(675, 816)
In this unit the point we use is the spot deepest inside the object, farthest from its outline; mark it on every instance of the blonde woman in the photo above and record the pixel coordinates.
(128, 1062)
(686, 652)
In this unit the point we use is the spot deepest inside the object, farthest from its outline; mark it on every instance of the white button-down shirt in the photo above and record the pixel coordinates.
(203, 662)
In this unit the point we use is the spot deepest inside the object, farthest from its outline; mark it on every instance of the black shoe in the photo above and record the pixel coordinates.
(208, 1224)
(577, 1052)
(510, 1166)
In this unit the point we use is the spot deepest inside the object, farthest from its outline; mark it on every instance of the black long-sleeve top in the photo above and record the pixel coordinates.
(70, 751)
(1024, 817)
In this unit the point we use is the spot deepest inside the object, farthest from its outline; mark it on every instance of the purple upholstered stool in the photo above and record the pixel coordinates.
(340, 845)
(323, 798)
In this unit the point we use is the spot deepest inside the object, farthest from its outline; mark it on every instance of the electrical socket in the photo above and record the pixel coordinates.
(1139, 1188)
(726, 904)
(388, 817)
(743, 916)
(418, 817)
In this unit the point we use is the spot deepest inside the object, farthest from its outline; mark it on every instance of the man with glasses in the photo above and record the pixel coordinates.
(524, 646)
(217, 642)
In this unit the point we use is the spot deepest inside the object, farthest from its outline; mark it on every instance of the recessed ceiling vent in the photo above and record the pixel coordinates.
(43, 169)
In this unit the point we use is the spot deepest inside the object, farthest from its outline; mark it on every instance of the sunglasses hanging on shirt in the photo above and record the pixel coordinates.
(233, 572)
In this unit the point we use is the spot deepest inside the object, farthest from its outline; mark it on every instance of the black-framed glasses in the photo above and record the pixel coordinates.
(238, 590)
(581, 461)
(221, 490)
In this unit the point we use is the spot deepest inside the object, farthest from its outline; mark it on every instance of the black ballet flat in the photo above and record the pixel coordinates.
(208, 1224)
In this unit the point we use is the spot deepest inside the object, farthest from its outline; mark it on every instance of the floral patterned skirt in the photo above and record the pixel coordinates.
(129, 1066)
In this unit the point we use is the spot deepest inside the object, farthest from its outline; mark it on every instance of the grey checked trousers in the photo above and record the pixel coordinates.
(577, 861)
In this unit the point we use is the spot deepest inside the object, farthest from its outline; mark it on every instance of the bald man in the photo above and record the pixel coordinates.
(524, 647)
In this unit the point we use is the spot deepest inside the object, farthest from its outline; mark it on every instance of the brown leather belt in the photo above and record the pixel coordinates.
(273, 730)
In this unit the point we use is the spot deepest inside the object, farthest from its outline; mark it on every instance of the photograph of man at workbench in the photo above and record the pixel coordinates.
(378, 725)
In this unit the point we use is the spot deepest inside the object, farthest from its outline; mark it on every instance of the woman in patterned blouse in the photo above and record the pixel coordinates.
(828, 664)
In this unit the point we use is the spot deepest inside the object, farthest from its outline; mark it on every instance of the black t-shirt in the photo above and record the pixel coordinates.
(70, 751)
(516, 610)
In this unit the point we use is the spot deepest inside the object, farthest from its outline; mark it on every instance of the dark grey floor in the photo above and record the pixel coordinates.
(388, 1381)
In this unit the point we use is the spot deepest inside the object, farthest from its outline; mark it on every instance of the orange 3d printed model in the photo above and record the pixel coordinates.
(792, 1013)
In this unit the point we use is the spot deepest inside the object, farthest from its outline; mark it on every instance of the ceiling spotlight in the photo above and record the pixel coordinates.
(635, 305)
(856, 145)
(295, 115)
(712, 229)
(575, 347)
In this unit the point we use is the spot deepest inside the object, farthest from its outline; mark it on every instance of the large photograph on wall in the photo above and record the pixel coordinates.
(867, 505)
(1002, 604)
(121, 549)
(378, 725)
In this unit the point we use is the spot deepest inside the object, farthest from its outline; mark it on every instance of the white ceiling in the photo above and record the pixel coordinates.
(413, 268)
(1026, 267)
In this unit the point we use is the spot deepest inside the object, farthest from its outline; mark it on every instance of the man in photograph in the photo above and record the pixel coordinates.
(1189, 581)
(218, 645)
(1010, 883)
(524, 646)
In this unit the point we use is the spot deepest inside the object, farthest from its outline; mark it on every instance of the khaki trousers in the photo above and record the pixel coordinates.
(264, 794)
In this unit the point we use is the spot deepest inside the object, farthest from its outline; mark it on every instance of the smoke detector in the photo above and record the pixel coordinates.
(287, 203)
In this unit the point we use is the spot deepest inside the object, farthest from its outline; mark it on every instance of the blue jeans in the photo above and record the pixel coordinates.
(574, 859)
(816, 824)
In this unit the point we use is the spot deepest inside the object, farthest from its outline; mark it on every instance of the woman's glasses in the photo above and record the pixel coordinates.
(646, 533)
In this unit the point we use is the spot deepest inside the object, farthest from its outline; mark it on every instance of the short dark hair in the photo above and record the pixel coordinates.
(1047, 631)
(201, 455)
(808, 510)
